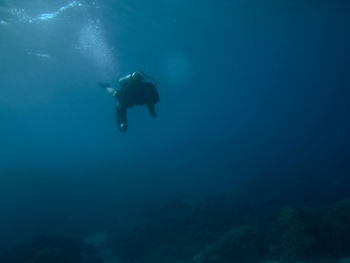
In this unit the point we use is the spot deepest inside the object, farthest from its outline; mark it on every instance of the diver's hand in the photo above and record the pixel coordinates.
(104, 85)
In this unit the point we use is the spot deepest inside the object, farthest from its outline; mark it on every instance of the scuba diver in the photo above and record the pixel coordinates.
(135, 89)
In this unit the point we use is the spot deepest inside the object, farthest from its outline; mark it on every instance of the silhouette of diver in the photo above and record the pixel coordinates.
(134, 90)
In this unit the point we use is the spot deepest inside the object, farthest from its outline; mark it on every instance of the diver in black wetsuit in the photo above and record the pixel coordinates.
(134, 90)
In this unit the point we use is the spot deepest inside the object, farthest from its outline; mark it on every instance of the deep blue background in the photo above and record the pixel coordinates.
(251, 92)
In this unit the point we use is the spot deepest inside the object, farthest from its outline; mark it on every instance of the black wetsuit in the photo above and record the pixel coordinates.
(132, 93)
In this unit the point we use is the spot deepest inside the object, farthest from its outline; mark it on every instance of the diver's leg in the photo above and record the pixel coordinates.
(121, 118)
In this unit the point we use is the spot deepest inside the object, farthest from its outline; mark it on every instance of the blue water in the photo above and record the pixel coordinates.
(253, 95)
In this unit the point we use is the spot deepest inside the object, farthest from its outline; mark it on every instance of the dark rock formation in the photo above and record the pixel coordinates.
(335, 229)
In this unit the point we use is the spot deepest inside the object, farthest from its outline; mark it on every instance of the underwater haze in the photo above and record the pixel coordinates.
(247, 161)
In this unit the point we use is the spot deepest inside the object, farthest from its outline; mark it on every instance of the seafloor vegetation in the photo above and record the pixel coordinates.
(232, 228)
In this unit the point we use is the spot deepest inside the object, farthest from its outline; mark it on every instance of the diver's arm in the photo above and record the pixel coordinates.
(111, 91)
(108, 88)
(152, 110)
